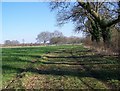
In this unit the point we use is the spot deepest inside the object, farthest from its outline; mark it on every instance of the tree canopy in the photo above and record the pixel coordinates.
(94, 18)
(46, 36)
(11, 42)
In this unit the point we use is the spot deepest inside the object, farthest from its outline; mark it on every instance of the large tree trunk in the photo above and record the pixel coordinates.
(106, 37)
(119, 44)
(44, 41)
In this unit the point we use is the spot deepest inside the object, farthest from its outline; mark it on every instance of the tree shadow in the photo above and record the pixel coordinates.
(96, 59)
(14, 59)
(68, 51)
(101, 74)
(20, 54)
(10, 68)
(106, 74)
(72, 56)
(73, 63)
(59, 72)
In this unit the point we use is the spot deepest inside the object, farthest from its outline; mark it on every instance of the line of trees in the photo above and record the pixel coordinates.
(11, 42)
(56, 37)
(66, 40)
(45, 37)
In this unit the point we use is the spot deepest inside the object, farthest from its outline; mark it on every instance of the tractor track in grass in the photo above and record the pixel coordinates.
(92, 75)
(71, 63)
(58, 68)
(90, 72)
(87, 69)
(20, 75)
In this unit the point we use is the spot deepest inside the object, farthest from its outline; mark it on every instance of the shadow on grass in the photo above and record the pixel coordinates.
(77, 51)
(98, 74)
(14, 59)
(20, 54)
(11, 68)
(102, 74)
(85, 56)
(82, 63)
(106, 74)
(59, 72)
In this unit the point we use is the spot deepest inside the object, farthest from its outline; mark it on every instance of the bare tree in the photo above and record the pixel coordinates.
(13, 42)
(46, 36)
(65, 40)
(57, 33)
(43, 37)
(73, 40)
(7, 42)
(96, 18)
(58, 40)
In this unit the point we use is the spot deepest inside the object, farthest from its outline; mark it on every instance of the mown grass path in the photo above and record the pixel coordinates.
(59, 67)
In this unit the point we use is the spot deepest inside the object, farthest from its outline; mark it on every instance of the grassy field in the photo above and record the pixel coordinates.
(59, 67)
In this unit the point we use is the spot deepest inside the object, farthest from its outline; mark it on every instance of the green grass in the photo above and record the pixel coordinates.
(58, 67)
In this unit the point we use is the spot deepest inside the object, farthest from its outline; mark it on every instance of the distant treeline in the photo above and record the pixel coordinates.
(26, 44)
(47, 38)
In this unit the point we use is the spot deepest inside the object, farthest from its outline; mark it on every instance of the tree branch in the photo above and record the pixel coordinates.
(113, 22)
(87, 7)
